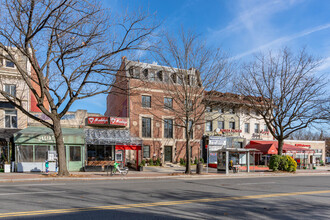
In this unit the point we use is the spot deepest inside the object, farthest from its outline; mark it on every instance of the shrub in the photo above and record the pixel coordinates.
(182, 161)
(143, 163)
(284, 163)
(196, 160)
(274, 162)
(157, 162)
(151, 162)
(201, 160)
(292, 164)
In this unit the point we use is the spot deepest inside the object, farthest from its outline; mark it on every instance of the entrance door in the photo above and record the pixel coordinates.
(74, 158)
(168, 153)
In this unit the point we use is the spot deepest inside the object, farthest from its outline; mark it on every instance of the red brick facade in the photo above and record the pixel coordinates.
(130, 105)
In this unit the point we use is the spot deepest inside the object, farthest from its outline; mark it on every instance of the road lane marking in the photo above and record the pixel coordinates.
(256, 183)
(168, 203)
(26, 193)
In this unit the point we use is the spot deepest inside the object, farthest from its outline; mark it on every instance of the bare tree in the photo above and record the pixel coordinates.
(72, 47)
(285, 90)
(189, 69)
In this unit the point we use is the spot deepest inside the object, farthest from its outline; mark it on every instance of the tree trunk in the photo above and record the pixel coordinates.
(280, 146)
(188, 162)
(62, 168)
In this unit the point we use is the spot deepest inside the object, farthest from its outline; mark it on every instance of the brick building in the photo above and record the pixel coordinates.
(140, 93)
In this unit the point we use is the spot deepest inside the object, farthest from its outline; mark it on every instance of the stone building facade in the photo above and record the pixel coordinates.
(229, 116)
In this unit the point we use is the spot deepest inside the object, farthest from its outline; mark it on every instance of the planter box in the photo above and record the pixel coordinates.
(93, 169)
(6, 168)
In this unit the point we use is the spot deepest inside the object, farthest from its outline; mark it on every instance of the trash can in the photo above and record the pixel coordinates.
(199, 168)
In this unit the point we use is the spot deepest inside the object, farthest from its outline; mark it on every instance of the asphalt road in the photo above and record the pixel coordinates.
(303, 197)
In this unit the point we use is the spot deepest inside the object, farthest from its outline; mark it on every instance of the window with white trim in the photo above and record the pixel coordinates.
(247, 127)
(209, 126)
(265, 128)
(168, 128)
(10, 118)
(10, 89)
(168, 103)
(221, 124)
(256, 128)
(146, 101)
(146, 151)
(146, 127)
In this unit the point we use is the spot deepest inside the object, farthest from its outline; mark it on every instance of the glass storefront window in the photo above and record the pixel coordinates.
(100, 152)
(40, 153)
(25, 153)
(146, 151)
(75, 153)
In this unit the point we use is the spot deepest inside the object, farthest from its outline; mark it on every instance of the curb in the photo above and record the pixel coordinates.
(203, 176)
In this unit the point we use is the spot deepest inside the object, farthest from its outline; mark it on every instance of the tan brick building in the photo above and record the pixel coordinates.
(139, 94)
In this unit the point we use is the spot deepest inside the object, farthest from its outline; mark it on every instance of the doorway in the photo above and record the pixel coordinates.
(168, 153)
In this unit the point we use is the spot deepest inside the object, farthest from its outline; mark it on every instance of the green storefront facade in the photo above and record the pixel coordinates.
(33, 144)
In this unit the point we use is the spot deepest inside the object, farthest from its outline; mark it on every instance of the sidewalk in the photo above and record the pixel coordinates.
(152, 173)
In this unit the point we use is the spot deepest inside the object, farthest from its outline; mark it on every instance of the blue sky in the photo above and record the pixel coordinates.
(240, 27)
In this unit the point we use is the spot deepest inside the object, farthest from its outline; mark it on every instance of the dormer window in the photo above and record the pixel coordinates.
(173, 77)
(131, 72)
(232, 110)
(208, 109)
(166, 77)
(137, 74)
(180, 79)
(145, 73)
(10, 64)
(160, 76)
(188, 80)
(6, 62)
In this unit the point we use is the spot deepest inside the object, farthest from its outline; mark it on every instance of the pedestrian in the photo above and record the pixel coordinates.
(47, 166)
(56, 165)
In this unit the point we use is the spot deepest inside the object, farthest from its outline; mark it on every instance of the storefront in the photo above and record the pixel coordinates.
(105, 146)
(7, 154)
(269, 148)
(35, 145)
(211, 144)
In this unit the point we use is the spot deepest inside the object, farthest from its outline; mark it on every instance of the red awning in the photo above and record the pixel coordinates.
(263, 148)
(271, 147)
(128, 147)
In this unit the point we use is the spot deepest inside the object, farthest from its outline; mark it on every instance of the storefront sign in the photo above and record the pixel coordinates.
(217, 141)
(302, 145)
(216, 148)
(230, 131)
(97, 120)
(118, 121)
(46, 138)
